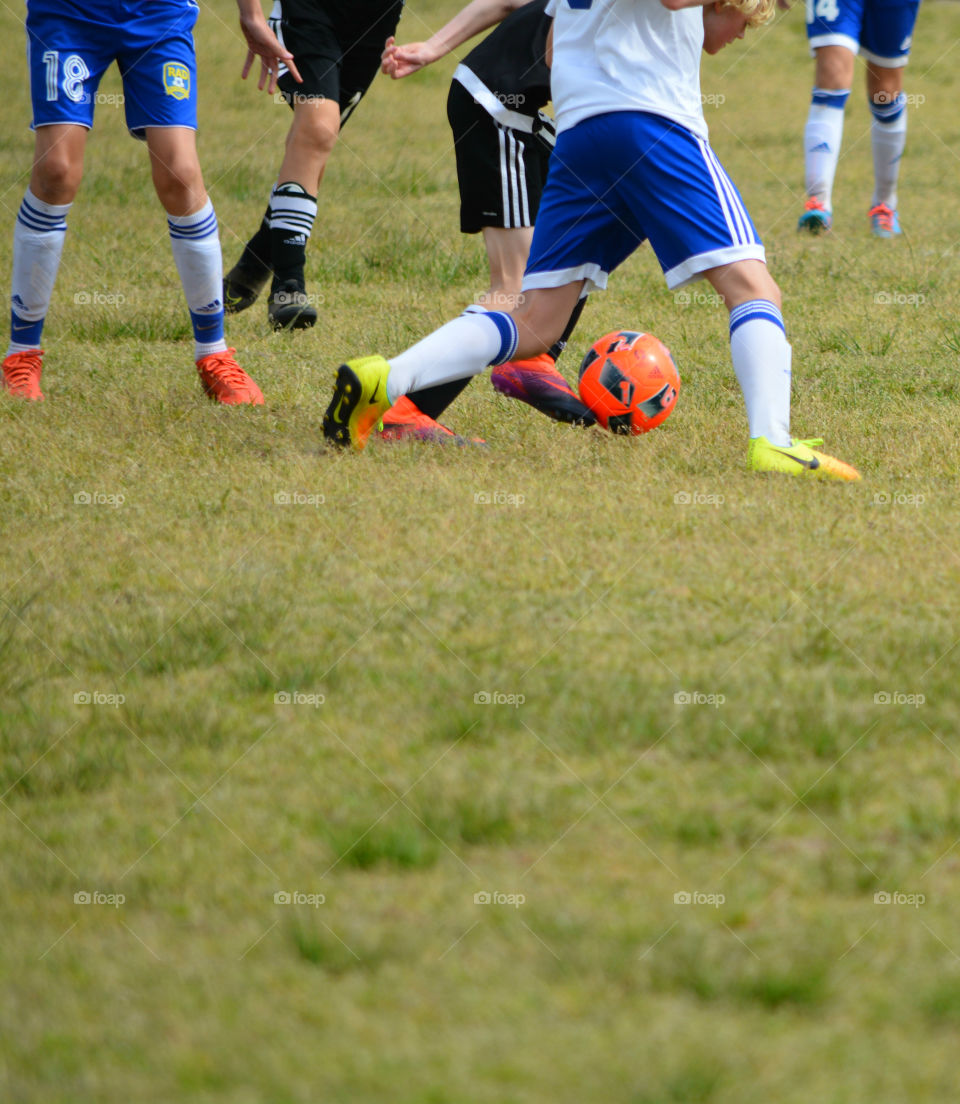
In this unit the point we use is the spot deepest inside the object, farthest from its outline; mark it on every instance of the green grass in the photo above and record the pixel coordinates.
(184, 596)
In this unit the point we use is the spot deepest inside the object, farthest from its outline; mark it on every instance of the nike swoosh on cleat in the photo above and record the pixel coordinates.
(811, 464)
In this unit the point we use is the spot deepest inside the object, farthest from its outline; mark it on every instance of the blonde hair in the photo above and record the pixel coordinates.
(756, 12)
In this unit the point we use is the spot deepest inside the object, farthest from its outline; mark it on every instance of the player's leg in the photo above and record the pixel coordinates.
(293, 208)
(885, 45)
(368, 386)
(699, 228)
(157, 62)
(577, 241)
(833, 32)
(195, 242)
(67, 58)
(823, 133)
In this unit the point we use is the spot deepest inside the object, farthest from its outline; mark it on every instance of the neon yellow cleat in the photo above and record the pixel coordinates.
(359, 401)
(799, 458)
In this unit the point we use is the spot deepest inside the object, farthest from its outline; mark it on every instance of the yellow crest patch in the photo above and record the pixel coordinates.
(176, 80)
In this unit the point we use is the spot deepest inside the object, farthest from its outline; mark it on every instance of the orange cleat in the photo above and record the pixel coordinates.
(406, 421)
(538, 382)
(21, 374)
(226, 382)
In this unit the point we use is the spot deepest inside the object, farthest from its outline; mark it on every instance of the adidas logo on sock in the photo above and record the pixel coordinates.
(822, 148)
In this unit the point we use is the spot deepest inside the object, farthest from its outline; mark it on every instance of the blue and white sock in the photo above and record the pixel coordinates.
(196, 253)
(821, 142)
(761, 358)
(888, 134)
(38, 236)
(461, 348)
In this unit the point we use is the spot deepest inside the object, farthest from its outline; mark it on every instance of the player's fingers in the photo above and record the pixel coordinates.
(247, 65)
(287, 60)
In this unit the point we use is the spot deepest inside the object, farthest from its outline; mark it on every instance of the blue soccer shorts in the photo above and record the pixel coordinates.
(71, 44)
(616, 180)
(881, 30)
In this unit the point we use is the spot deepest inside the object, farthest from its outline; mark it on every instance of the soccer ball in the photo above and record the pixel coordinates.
(629, 380)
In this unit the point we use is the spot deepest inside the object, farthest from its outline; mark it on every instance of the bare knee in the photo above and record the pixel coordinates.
(56, 178)
(743, 281)
(834, 67)
(179, 184)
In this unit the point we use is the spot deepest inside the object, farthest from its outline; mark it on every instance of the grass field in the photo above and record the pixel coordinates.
(581, 675)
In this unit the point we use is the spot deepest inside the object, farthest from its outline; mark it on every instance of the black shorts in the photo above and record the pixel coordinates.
(336, 46)
(501, 171)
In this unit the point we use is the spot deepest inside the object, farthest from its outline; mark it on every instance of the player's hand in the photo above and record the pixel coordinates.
(263, 43)
(400, 61)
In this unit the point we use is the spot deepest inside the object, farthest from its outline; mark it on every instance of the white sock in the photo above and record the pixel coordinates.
(38, 236)
(761, 358)
(196, 253)
(461, 348)
(888, 135)
(821, 142)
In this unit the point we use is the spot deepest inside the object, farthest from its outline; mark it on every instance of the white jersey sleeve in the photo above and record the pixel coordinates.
(626, 55)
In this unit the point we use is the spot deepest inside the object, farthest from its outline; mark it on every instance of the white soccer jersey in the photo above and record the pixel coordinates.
(626, 55)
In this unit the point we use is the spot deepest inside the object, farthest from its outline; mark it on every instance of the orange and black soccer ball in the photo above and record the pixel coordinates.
(629, 380)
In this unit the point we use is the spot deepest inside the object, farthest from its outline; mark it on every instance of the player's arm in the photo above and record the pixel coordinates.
(477, 16)
(263, 43)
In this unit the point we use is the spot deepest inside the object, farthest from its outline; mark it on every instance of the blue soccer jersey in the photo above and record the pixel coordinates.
(70, 45)
(881, 30)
